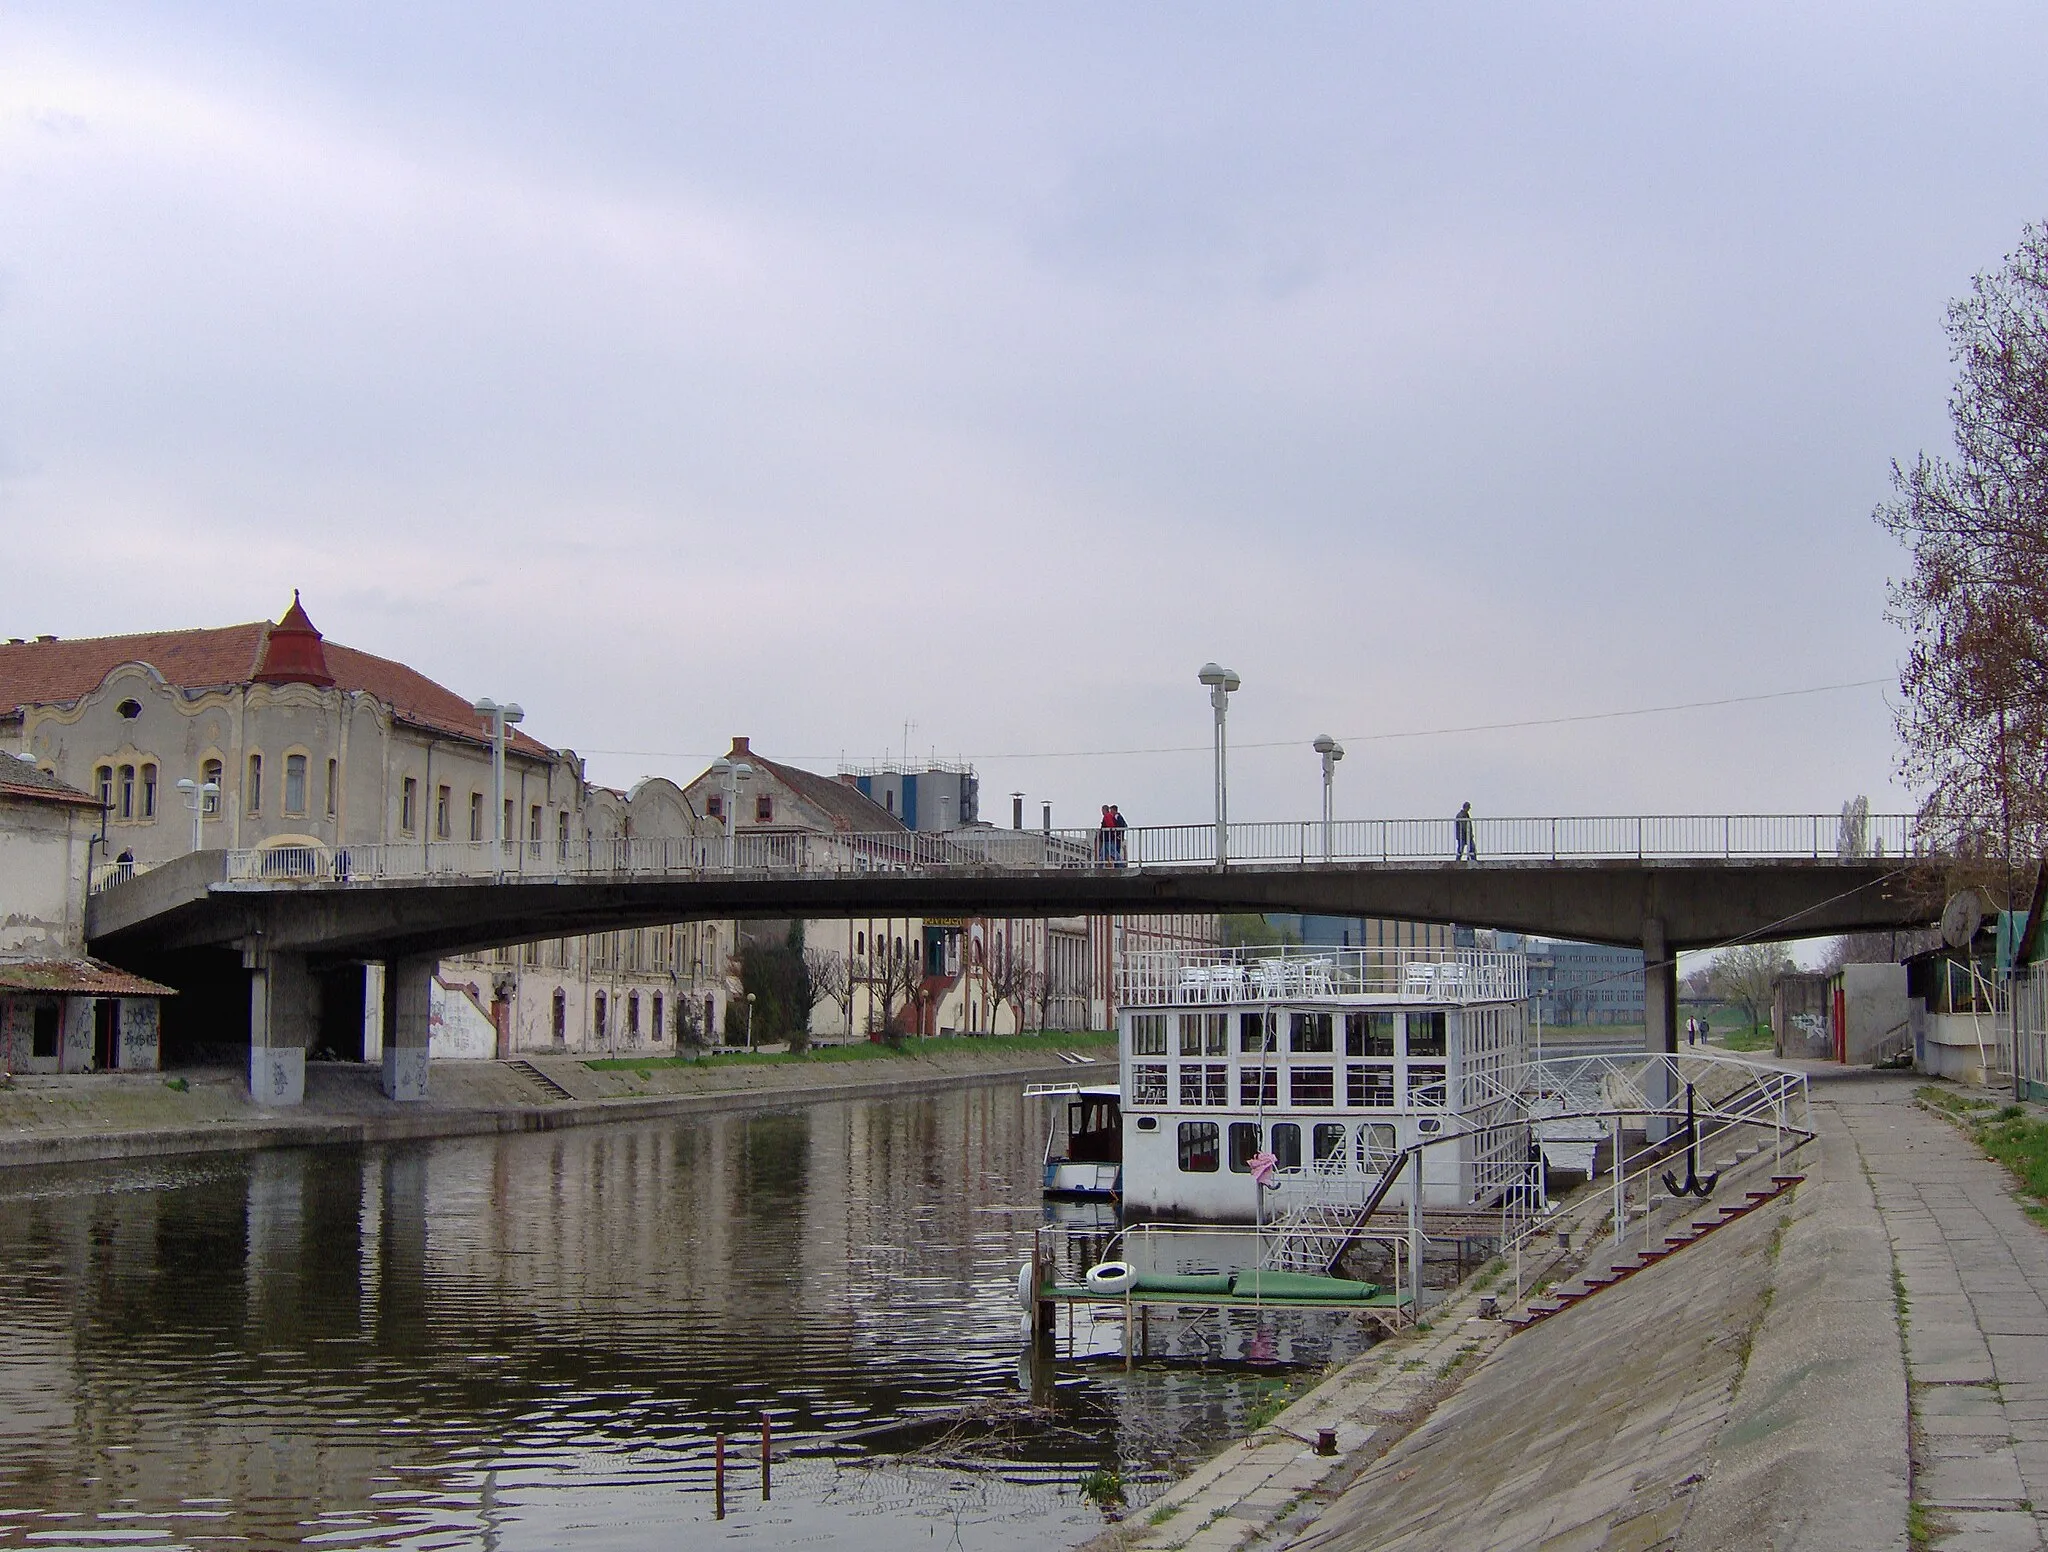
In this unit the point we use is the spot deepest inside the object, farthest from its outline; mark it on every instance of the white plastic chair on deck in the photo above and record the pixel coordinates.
(1418, 980)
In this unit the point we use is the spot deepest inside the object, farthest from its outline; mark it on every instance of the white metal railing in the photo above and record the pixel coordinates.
(1177, 977)
(979, 850)
(2027, 1004)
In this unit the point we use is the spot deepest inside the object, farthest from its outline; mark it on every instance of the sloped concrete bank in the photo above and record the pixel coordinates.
(109, 1117)
(1749, 1391)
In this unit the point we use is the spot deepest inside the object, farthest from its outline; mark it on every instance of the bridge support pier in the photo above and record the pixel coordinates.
(1660, 1017)
(408, 1016)
(282, 1011)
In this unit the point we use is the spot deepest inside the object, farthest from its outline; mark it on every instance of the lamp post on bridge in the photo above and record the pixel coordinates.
(501, 717)
(1221, 682)
(197, 798)
(1332, 752)
(730, 774)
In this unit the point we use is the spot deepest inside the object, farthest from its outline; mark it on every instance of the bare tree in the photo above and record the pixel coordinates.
(1008, 977)
(893, 975)
(1878, 948)
(1747, 975)
(1974, 714)
(831, 981)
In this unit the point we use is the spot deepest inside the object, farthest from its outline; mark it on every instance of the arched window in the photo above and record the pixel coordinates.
(295, 784)
(633, 1015)
(103, 778)
(210, 774)
(149, 792)
(255, 793)
(597, 1024)
(654, 1026)
(860, 944)
(127, 792)
(561, 1014)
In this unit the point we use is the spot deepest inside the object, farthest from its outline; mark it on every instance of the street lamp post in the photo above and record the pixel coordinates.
(1332, 752)
(730, 774)
(501, 717)
(1221, 681)
(196, 799)
(750, 1021)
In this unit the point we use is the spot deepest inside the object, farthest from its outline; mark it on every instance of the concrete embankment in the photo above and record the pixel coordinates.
(75, 1119)
(1749, 1391)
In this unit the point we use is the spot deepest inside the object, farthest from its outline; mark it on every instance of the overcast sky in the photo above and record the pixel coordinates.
(807, 372)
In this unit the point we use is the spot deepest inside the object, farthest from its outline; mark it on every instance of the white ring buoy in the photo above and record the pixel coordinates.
(1027, 1296)
(1112, 1277)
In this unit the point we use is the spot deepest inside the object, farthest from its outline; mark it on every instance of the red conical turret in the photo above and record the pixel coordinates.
(292, 653)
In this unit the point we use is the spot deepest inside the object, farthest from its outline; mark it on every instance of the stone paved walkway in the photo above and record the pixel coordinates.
(1975, 1274)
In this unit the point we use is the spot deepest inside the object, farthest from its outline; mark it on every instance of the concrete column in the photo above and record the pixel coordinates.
(281, 1017)
(408, 1015)
(1660, 1016)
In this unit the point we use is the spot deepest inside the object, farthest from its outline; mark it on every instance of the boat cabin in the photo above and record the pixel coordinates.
(1084, 1146)
(1331, 1060)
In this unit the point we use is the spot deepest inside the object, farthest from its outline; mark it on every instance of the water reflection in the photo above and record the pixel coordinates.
(528, 1341)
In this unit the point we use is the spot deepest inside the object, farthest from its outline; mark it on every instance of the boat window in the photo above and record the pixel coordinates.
(1205, 1034)
(1252, 1034)
(1311, 1086)
(1327, 1140)
(1286, 1145)
(1311, 1032)
(1244, 1142)
(1199, 1144)
(1148, 1034)
(1375, 1146)
(1369, 1085)
(1205, 1084)
(1426, 1034)
(1148, 1083)
(1258, 1086)
(1369, 1034)
(1425, 1083)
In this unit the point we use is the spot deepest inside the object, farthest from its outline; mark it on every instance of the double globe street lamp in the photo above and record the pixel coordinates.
(501, 718)
(1332, 752)
(1221, 682)
(730, 774)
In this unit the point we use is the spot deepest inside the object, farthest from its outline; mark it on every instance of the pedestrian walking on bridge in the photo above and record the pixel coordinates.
(1466, 846)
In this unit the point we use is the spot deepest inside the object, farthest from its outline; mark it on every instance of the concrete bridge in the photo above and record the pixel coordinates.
(1661, 883)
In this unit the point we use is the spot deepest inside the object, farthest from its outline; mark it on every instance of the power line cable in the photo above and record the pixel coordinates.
(1356, 738)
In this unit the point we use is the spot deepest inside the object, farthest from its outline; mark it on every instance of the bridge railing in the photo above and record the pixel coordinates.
(977, 850)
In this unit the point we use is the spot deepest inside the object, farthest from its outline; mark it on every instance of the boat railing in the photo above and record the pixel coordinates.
(1184, 977)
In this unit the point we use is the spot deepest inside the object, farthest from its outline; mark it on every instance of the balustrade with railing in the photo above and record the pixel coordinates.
(983, 851)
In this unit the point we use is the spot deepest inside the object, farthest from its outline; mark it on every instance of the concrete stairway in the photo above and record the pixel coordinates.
(550, 1090)
(1585, 1286)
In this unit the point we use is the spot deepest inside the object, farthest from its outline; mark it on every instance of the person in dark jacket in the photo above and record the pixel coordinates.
(1466, 846)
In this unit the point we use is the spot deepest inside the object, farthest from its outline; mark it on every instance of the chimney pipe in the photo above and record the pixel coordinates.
(1048, 819)
(1016, 811)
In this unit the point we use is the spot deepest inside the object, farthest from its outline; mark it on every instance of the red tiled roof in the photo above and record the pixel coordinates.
(76, 978)
(18, 778)
(34, 673)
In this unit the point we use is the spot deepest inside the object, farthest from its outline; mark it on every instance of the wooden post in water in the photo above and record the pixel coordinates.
(718, 1477)
(766, 1440)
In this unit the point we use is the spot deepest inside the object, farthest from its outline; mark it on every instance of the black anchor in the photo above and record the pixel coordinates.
(1694, 1185)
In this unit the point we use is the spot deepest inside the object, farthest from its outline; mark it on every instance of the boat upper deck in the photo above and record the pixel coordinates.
(1173, 978)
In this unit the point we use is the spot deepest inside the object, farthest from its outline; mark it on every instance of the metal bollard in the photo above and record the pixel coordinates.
(718, 1477)
(1326, 1441)
(766, 1439)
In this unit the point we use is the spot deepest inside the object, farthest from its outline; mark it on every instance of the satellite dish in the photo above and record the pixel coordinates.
(1961, 918)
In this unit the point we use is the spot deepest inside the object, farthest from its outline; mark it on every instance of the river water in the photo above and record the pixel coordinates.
(533, 1342)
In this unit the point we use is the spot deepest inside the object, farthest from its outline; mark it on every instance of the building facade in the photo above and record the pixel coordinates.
(60, 1011)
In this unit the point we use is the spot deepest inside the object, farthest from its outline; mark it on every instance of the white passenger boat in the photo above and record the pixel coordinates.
(1331, 1060)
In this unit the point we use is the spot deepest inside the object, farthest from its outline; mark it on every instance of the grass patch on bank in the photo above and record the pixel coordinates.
(2011, 1134)
(1757, 1038)
(866, 1051)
